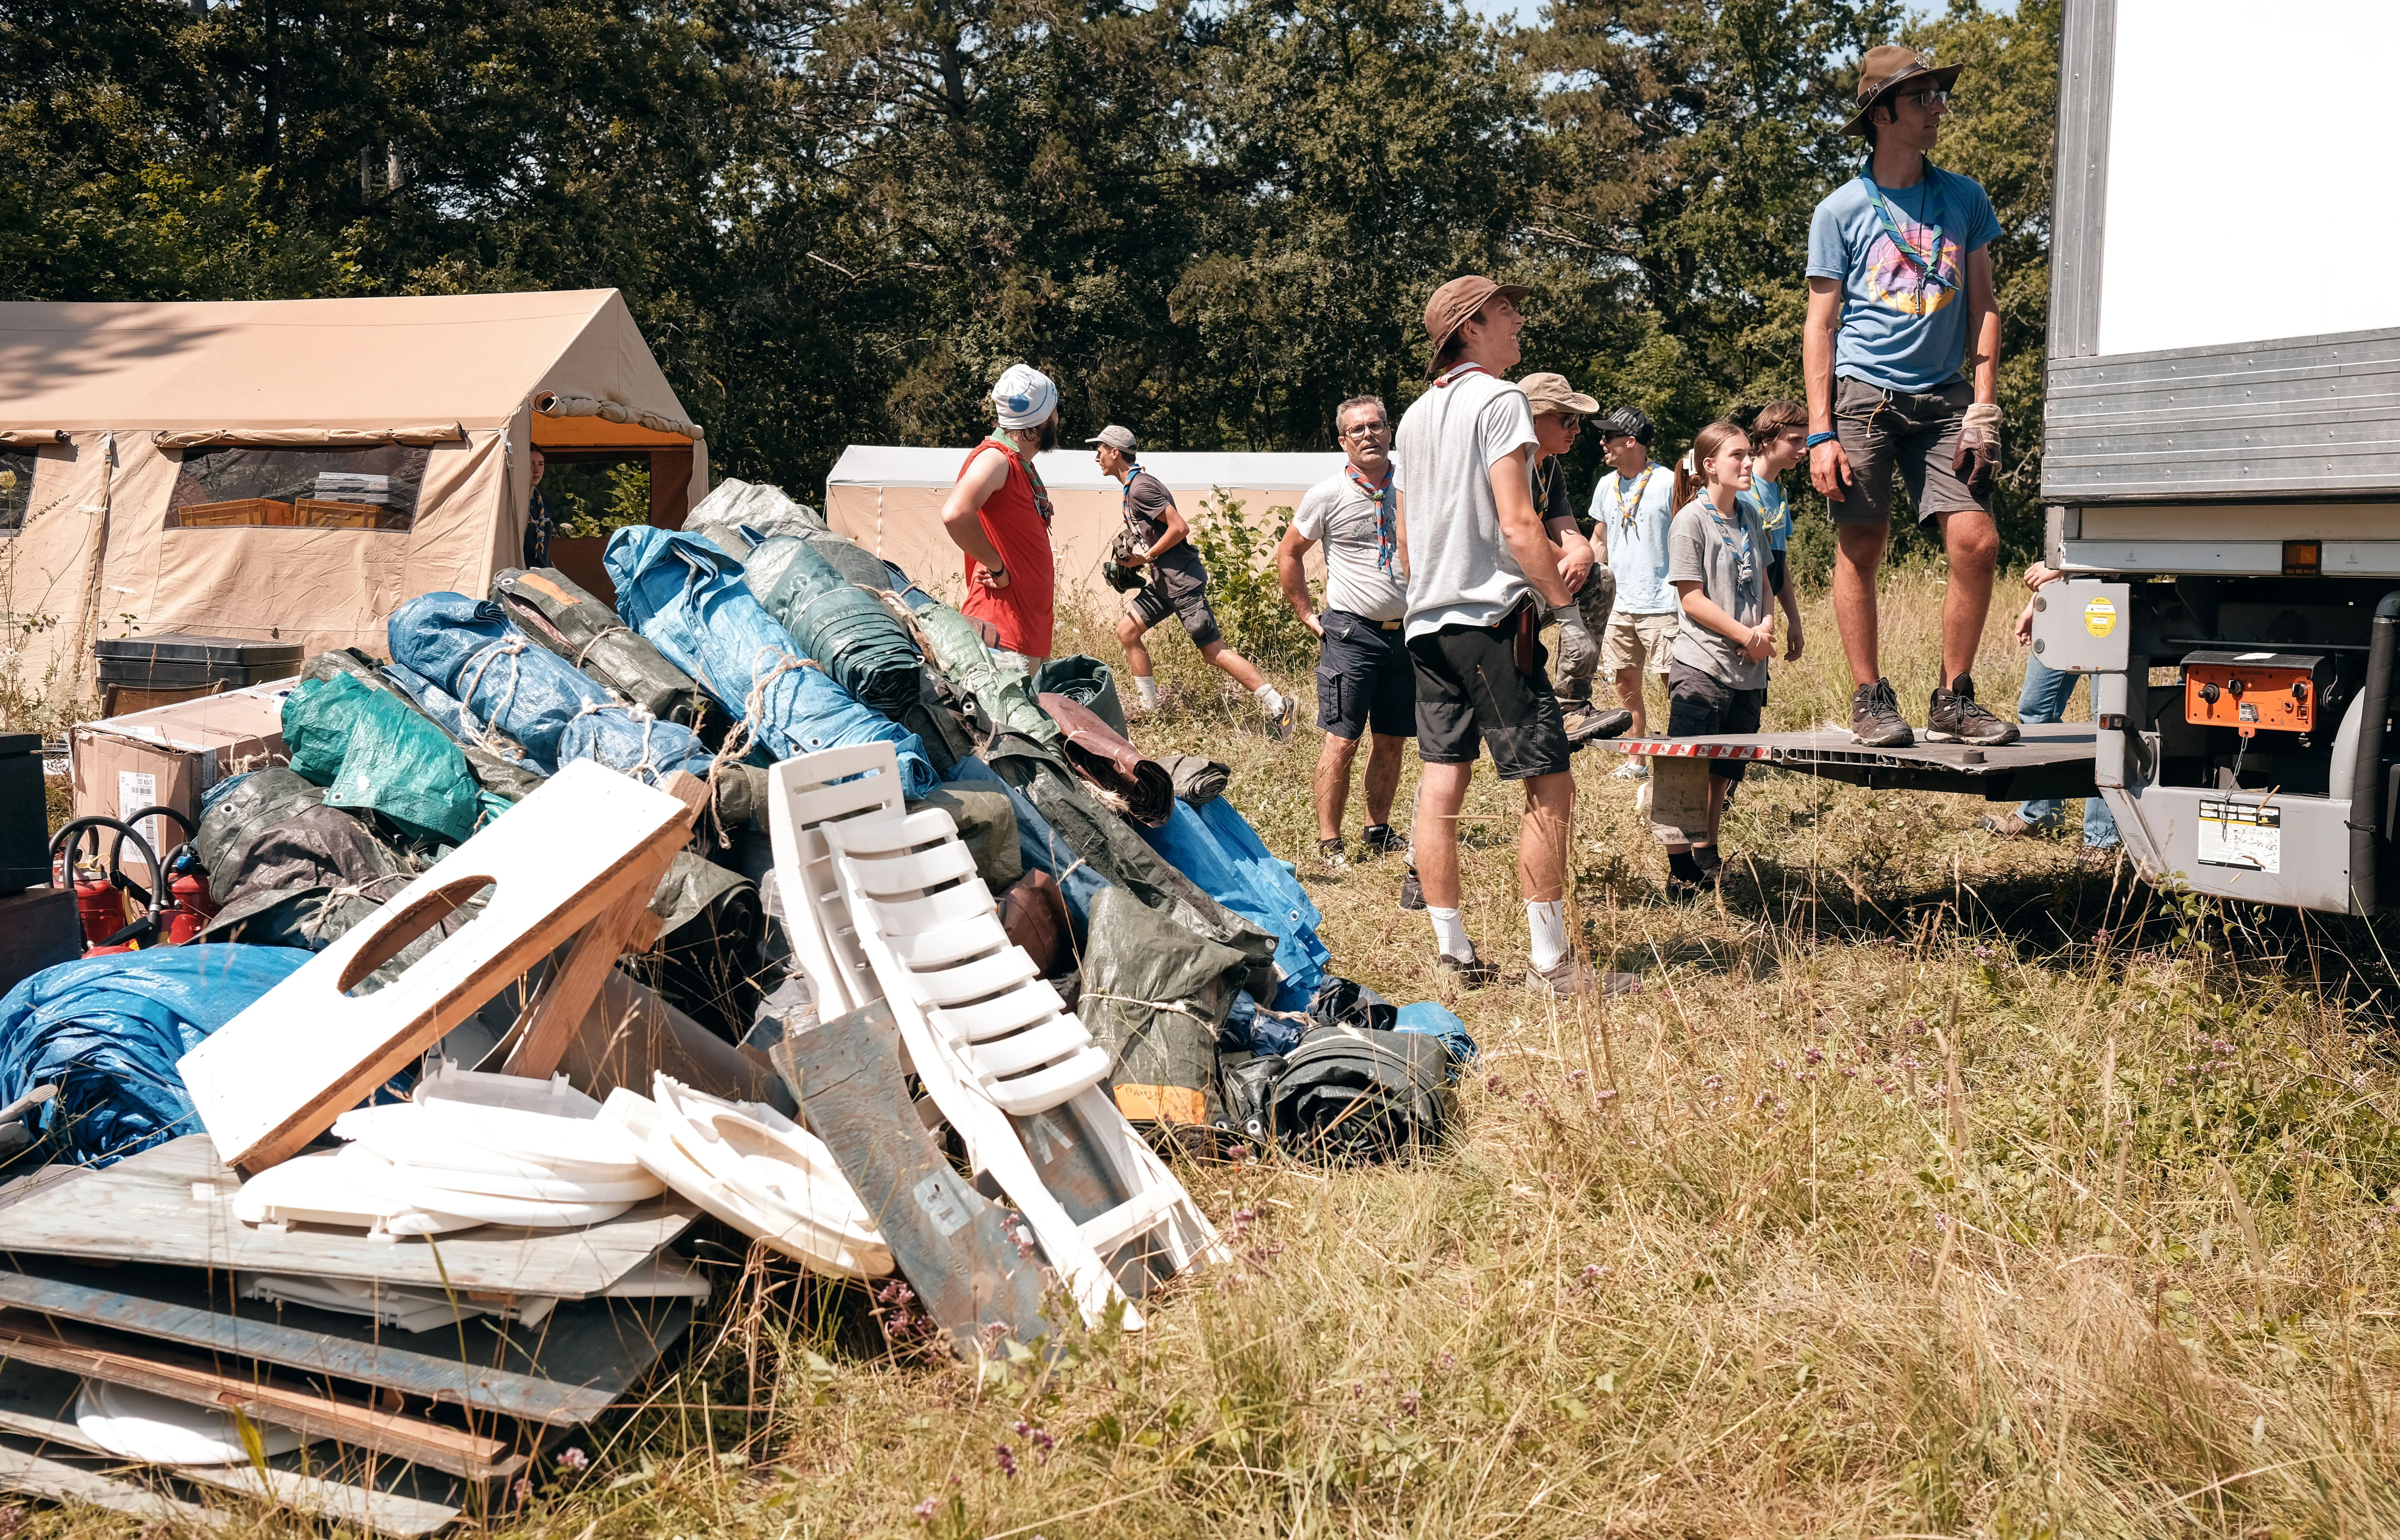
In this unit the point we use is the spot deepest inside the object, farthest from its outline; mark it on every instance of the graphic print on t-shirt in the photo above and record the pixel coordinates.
(1894, 278)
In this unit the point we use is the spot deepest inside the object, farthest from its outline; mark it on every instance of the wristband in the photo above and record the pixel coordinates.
(1816, 438)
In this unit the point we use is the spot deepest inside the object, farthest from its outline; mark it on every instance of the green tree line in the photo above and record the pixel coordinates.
(838, 219)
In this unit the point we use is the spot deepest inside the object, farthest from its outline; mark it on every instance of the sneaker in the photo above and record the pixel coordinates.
(1328, 851)
(1412, 891)
(1958, 717)
(1279, 720)
(1384, 839)
(1632, 769)
(2007, 826)
(2099, 858)
(1586, 724)
(1875, 721)
(1472, 972)
(1712, 865)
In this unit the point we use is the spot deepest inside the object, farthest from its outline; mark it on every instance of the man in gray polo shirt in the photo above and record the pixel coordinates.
(1365, 683)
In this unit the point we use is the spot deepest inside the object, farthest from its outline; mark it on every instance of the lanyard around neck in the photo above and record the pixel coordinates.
(1927, 263)
(1746, 559)
(1457, 373)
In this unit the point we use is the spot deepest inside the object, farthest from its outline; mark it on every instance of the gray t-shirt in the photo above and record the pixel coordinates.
(1704, 547)
(1362, 555)
(1460, 572)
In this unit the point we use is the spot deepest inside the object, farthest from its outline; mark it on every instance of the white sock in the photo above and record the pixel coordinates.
(1270, 700)
(1548, 923)
(1148, 688)
(1449, 934)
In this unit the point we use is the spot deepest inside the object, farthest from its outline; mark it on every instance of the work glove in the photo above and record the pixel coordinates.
(1978, 446)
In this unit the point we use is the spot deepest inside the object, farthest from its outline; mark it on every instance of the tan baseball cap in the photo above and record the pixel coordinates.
(1117, 437)
(1455, 303)
(1552, 393)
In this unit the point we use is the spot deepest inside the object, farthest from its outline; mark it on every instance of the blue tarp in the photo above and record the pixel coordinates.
(1216, 849)
(1036, 841)
(687, 598)
(1439, 1021)
(478, 662)
(108, 1030)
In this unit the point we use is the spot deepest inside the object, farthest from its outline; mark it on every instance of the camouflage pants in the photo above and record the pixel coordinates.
(1581, 625)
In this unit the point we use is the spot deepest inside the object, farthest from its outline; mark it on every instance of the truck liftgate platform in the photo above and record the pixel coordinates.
(2052, 760)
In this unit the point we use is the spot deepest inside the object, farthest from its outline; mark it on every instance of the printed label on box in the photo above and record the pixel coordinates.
(2238, 835)
(135, 791)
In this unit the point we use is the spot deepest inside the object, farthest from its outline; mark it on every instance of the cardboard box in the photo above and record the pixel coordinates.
(167, 756)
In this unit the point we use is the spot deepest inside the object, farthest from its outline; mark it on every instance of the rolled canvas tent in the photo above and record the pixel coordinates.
(294, 469)
(890, 500)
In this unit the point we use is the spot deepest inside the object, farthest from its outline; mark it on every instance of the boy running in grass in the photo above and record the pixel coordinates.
(1717, 555)
(1778, 437)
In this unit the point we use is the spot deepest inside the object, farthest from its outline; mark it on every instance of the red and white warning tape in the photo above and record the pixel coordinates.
(1677, 749)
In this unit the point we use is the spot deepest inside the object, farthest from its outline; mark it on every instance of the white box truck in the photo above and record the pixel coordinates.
(2221, 454)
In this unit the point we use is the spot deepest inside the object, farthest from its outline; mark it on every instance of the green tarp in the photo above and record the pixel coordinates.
(372, 750)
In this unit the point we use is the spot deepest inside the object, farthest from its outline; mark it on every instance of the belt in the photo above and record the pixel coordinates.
(1387, 625)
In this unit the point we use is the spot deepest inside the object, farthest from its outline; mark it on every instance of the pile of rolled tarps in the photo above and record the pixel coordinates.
(1002, 694)
(467, 648)
(687, 599)
(548, 606)
(842, 627)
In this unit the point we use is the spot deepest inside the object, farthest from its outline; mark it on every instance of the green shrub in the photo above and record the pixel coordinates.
(1243, 591)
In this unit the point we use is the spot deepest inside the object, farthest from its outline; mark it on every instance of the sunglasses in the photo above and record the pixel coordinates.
(1568, 419)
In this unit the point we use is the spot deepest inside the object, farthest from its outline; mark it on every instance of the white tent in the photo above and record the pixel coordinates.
(889, 499)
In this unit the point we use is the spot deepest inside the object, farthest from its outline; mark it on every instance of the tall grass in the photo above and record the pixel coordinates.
(1926, 1186)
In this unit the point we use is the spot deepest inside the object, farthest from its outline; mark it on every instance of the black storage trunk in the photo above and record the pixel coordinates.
(24, 818)
(174, 662)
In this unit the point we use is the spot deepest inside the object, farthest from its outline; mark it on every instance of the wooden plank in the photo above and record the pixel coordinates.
(143, 1209)
(31, 1338)
(276, 1075)
(953, 1245)
(396, 1506)
(552, 1021)
(39, 1475)
(564, 1372)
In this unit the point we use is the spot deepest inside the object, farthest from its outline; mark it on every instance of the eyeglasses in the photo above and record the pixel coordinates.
(1926, 99)
(1366, 429)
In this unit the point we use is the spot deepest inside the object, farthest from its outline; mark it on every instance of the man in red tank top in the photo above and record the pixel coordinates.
(998, 514)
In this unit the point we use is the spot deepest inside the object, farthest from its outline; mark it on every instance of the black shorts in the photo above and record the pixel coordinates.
(1469, 690)
(1365, 681)
(1180, 591)
(1701, 706)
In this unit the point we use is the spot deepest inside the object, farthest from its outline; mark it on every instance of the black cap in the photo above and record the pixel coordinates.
(1626, 421)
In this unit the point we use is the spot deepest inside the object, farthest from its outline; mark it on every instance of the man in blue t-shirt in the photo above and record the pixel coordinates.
(1902, 355)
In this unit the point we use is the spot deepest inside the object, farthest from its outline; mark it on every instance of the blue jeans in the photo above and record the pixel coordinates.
(2044, 699)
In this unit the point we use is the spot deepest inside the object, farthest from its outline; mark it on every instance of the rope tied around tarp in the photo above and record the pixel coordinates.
(642, 770)
(605, 632)
(1183, 1007)
(513, 645)
(744, 732)
(316, 922)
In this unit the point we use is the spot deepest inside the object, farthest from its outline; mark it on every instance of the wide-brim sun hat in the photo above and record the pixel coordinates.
(1552, 393)
(1455, 303)
(1884, 70)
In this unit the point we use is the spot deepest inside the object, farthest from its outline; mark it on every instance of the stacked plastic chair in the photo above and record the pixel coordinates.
(988, 1038)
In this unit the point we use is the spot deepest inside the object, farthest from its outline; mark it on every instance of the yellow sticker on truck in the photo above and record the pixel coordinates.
(2248, 836)
(2100, 617)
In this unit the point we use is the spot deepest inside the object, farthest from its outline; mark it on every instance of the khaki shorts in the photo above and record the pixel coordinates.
(1637, 641)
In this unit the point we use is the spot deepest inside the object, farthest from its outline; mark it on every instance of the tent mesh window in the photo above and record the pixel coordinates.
(16, 488)
(374, 487)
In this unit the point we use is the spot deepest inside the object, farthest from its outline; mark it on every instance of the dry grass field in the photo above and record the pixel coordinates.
(1927, 1186)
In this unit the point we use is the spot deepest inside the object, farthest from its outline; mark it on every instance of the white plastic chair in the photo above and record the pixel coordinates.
(805, 794)
(990, 1040)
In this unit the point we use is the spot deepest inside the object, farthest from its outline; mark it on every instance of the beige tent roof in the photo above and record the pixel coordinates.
(319, 364)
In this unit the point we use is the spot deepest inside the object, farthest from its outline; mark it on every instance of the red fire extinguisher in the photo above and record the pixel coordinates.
(188, 908)
(100, 895)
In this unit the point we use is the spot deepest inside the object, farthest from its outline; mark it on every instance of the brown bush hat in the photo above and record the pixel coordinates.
(1552, 393)
(1884, 70)
(1455, 303)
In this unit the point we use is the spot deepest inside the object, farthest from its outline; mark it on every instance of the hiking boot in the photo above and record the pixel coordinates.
(1565, 979)
(2007, 826)
(1328, 852)
(1958, 717)
(1412, 891)
(1588, 724)
(1280, 719)
(1875, 721)
(1712, 865)
(1472, 972)
(1384, 839)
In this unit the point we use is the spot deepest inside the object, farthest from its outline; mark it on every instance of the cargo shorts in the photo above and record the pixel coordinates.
(1915, 432)
(1472, 696)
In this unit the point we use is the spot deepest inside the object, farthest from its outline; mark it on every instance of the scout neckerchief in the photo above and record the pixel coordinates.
(1629, 505)
(1929, 267)
(1387, 523)
(1745, 561)
(1770, 520)
(1033, 477)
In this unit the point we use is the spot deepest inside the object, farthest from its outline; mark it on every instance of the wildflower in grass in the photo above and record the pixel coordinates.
(1815, 1055)
(1577, 1077)
(523, 1491)
(1983, 954)
(1410, 1402)
(1006, 1458)
(924, 1510)
(1609, 1095)
(1494, 1084)
(1446, 1361)
(1714, 1083)
(1941, 1221)
(572, 1458)
(1043, 1443)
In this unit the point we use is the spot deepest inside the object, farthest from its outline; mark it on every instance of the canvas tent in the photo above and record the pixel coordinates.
(295, 469)
(890, 500)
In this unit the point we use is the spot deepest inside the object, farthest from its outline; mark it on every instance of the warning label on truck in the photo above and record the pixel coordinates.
(2100, 618)
(2242, 836)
